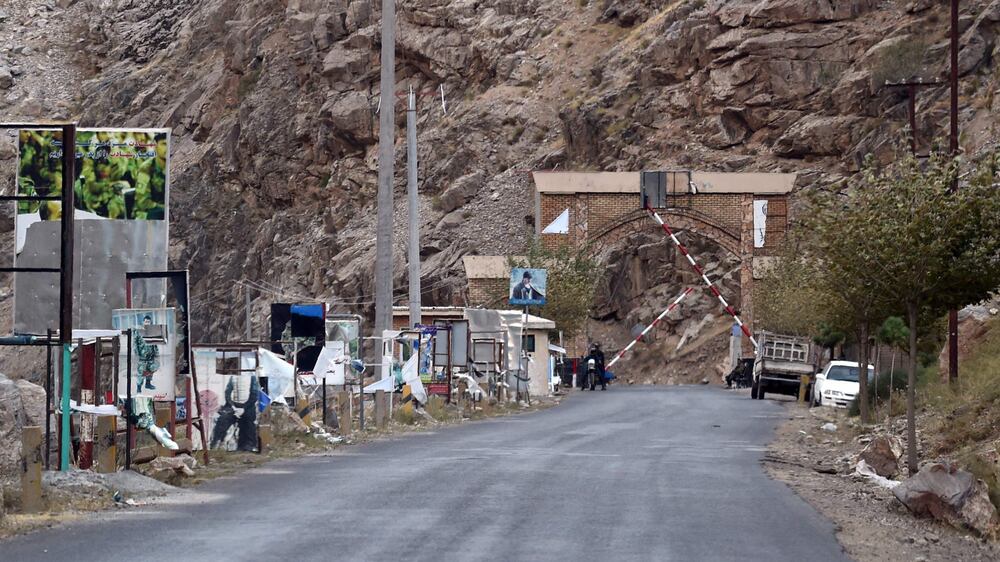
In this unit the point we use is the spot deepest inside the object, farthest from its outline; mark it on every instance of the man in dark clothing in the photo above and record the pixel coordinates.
(523, 291)
(598, 356)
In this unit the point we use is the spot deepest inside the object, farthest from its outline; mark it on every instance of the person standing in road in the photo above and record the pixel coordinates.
(598, 356)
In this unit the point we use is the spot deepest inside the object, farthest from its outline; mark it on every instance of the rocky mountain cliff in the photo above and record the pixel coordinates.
(274, 137)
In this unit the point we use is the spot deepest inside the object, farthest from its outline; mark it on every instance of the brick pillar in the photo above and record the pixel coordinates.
(581, 213)
(746, 270)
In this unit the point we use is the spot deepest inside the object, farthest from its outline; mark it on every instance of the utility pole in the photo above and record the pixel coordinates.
(414, 211)
(911, 87)
(246, 301)
(953, 314)
(386, 141)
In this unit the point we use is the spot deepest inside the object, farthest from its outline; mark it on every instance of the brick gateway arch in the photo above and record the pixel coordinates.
(606, 207)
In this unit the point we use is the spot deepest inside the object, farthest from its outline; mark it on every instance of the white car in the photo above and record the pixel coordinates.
(838, 384)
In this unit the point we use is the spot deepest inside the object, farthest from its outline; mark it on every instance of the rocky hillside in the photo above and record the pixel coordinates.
(274, 138)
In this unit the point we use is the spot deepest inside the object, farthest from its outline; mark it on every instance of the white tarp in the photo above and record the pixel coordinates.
(759, 222)
(385, 384)
(411, 376)
(105, 410)
(560, 225)
(279, 373)
(330, 363)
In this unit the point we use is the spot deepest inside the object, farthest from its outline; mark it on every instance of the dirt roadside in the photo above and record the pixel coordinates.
(872, 525)
(81, 494)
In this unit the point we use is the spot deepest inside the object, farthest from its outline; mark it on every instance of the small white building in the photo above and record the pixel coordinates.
(536, 343)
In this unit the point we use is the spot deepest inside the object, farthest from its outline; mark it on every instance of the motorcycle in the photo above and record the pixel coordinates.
(594, 376)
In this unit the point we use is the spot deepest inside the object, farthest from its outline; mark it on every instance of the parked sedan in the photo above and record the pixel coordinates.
(838, 384)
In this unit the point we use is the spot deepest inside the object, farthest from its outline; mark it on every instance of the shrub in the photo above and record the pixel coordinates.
(879, 393)
(903, 60)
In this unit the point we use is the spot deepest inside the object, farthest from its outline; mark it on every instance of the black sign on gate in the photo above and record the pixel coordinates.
(657, 188)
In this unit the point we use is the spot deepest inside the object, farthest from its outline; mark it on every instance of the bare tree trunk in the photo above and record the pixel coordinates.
(863, 350)
(911, 394)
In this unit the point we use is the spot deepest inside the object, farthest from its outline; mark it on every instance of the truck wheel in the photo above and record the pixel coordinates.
(760, 390)
(753, 390)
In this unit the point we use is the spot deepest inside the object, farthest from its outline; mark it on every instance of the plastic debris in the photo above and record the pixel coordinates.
(862, 469)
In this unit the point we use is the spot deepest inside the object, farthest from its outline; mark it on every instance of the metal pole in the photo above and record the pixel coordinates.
(912, 89)
(246, 300)
(129, 406)
(295, 374)
(386, 140)
(451, 334)
(414, 211)
(524, 360)
(953, 314)
(48, 399)
(361, 376)
(66, 283)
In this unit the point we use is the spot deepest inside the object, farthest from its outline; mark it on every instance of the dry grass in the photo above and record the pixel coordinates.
(967, 412)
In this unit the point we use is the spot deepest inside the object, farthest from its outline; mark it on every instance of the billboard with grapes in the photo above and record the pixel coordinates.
(121, 174)
(121, 199)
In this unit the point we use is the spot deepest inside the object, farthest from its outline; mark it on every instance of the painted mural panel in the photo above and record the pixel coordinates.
(230, 400)
(154, 342)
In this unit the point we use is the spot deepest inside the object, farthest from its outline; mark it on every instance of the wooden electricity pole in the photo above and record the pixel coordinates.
(953, 314)
(911, 86)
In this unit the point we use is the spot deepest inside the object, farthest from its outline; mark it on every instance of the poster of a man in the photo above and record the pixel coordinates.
(527, 286)
(154, 353)
(147, 357)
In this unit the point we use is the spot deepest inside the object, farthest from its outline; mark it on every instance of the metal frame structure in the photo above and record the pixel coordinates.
(65, 269)
(179, 278)
(361, 353)
(238, 348)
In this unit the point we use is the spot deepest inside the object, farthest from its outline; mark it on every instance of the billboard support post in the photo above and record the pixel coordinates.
(66, 282)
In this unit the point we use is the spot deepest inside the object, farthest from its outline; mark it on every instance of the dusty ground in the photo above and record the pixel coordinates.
(871, 524)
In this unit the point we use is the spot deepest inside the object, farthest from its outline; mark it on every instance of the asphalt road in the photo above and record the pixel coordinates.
(669, 473)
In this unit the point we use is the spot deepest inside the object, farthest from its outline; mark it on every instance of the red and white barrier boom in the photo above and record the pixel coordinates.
(672, 306)
(700, 271)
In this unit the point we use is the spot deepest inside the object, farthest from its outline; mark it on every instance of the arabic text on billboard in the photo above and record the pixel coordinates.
(121, 174)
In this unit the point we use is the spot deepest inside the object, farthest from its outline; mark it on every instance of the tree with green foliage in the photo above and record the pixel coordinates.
(828, 337)
(572, 281)
(918, 247)
(841, 240)
(787, 299)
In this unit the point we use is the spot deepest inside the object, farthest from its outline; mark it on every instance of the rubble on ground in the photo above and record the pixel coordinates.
(826, 470)
(93, 485)
(882, 454)
(284, 421)
(950, 494)
(320, 432)
(21, 404)
(171, 469)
